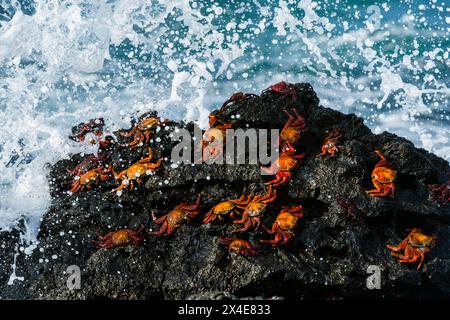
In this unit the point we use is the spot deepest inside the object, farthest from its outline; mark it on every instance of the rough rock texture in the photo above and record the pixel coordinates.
(327, 259)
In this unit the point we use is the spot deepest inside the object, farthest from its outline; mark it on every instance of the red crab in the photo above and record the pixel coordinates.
(214, 117)
(441, 192)
(94, 125)
(239, 246)
(383, 178)
(119, 238)
(329, 146)
(141, 132)
(351, 210)
(414, 247)
(287, 162)
(175, 218)
(225, 208)
(93, 161)
(285, 88)
(251, 217)
(293, 128)
(284, 225)
(213, 141)
(90, 178)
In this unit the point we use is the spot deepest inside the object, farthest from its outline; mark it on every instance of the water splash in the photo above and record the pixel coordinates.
(63, 62)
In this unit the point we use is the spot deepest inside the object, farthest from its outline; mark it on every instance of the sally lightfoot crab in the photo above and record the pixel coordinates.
(94, 126)
(251, 217)
(119, 238)
(226, 208)
(284, 225)
(383, 178)
(287, 162)
(329, 146)
(141, 132)
(239, 246)
(136, 172)
(89, 179)
(414, 247)
(182, 213)
(293, 128)
(285, 88)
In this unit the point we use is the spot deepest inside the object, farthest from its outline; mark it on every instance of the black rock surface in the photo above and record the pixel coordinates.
(327, 259)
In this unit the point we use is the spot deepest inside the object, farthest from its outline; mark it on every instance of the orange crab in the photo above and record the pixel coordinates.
(239, 246)
(213, 141)
(225, 208)
(329, 146)
(182, 213)
(286, 88)
(287, 162)
(414, 247)
(141, 132)
(251, 217)
(119, 238)
(293, 128)
(137, 171)
(383, 178)
(88, 179)
(284, 225)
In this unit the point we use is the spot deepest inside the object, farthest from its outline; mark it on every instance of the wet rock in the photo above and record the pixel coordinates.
(327, 259)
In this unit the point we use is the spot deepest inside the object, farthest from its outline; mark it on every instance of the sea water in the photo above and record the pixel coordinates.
(63, 62)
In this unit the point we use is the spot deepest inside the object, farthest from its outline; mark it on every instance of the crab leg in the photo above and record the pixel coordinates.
(129, 133)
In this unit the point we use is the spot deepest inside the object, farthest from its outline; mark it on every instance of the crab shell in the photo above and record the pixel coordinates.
(224, 208)
(121, 237)
(148, 123)
(287, 163)
(384, 174)
(291, 135)
(419, 240)
(286, 220)
(237, 245)
(214, 135)
(176, 217)
(89, 177)
(255, 209)
(136, 170)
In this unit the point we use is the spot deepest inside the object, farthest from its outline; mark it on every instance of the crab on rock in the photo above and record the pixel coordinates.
(94, 161)
(251, 217)
(94, 126)
(225, 208)
(213, 141)
(137, 171)
(293, 128)
(285, 88)
(239, 246)
(329, 146)
(287, 162)
(141, 132)
(383, 178)
(88, 179)
(414, 247)
(119, 238)
(182, 213)
(284, 225)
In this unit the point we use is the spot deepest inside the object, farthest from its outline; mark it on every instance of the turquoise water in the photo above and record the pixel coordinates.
(63, 62)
